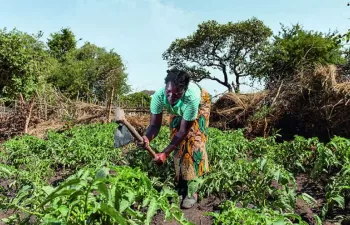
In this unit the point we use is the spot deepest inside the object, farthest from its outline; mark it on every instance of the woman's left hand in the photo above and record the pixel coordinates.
(160, 158)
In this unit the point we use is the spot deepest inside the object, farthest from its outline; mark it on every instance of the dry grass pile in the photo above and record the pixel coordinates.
(313, 104)
(141, 121)
(13, 119)
(10, 125)
(232, 110)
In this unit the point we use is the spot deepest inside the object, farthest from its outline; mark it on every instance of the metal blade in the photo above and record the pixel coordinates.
(122, 136)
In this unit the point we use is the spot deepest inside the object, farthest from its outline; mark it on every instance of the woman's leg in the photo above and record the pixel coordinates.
(195, 159)
(181, 188)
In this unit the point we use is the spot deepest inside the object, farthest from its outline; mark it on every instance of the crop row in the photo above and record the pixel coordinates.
(78, 177)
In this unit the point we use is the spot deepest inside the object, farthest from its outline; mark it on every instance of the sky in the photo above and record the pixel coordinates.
(141, 30)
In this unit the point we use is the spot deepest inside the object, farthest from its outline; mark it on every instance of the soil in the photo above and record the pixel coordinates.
(196, 214)
(59, 177)
(11, 193)
(316, 189)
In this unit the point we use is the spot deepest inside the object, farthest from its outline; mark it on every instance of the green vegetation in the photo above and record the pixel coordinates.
(234, 215)
(231, 48)
(77, 177)
(244, 49)
(23, 63)
(137, 99)
(295, 49)
(30, 66)
(249, 49)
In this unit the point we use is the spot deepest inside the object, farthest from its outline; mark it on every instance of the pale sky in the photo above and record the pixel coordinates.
(141, 30)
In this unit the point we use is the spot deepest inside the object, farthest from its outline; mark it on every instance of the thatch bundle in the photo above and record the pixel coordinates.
(312, 104)
(232, 110)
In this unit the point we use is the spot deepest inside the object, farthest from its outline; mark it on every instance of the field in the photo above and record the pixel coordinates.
(78, 177)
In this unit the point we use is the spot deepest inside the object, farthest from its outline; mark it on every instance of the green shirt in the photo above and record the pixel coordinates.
(187, 106)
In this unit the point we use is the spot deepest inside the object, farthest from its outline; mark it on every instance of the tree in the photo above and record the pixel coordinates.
(231, 48)
(61, 42)
(137, 100)
(111, 75)
(345, 68)
(294, 50)
(23, 63)
(91, 72)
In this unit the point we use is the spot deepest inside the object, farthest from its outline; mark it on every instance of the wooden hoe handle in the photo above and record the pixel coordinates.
(138, 136)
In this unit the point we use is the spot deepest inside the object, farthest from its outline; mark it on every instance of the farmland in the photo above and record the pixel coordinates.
(78, 177)
(278, 138)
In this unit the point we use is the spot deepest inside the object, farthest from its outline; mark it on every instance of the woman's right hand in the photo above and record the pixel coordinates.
(144, 143)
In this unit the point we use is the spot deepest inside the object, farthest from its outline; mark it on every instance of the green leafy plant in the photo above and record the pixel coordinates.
(116, 195)
(337, 191)
(78, 177)
(231, 214)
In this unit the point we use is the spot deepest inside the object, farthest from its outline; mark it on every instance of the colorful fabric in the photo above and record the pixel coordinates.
(190, 157)
(186, 107)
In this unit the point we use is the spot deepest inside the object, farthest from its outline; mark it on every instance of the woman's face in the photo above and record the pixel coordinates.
(173, 93)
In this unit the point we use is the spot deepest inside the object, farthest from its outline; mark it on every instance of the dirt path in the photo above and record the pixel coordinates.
(196, 214)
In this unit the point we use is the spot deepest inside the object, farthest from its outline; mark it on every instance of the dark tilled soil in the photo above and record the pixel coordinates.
(59, 177)
(11, 193)
(196, 214)
(316, 189)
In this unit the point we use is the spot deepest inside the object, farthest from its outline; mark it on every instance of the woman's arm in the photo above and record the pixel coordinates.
(180, 135)
(154, 127)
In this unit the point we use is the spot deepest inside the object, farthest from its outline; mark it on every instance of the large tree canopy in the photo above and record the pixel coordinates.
(23, 63)
(61, 42)
(295, 49)
(91, 72)
(231, 48)
(28, 66)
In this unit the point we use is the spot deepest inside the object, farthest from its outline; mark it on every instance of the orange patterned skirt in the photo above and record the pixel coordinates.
(190, 157)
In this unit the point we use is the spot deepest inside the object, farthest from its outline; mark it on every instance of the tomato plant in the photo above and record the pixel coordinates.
(78, 177)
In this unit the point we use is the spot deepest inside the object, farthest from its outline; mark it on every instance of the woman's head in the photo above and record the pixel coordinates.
(176, 84)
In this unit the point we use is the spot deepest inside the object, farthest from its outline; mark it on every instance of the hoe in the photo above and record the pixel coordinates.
(126, 133)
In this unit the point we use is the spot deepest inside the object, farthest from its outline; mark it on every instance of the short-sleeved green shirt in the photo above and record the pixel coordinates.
(187, 106)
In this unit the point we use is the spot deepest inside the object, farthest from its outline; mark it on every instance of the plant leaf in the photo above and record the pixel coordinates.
(112, 212)
(152, 210)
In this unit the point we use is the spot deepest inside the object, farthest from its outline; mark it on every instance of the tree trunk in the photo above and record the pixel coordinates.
(45, 107)
(226, 82)
(28, 114)
(237, 86)
(110, 106)
(229, 88)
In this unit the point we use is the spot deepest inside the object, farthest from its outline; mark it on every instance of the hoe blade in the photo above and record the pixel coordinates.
(122, 136)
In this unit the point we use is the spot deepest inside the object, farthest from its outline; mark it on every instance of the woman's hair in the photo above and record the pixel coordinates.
(179, 77)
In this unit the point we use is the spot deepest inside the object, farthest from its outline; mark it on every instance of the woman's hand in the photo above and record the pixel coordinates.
(144, 143)
(160, 158)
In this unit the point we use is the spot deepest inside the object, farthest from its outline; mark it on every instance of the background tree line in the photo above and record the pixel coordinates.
(249, 49)
(29, 65)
